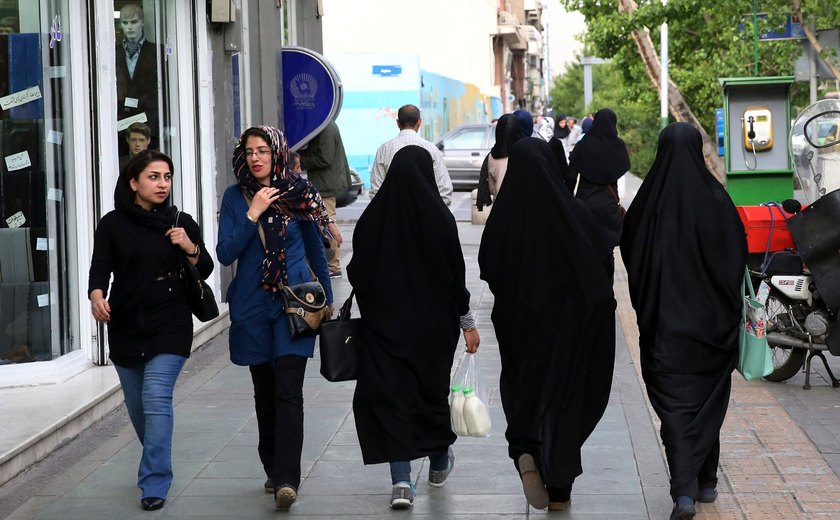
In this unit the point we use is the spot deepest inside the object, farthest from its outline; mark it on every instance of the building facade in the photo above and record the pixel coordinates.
(74, 75)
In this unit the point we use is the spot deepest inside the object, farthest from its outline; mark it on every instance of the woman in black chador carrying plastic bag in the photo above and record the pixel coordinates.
(685, 250)
(556, 332)
(409, 276)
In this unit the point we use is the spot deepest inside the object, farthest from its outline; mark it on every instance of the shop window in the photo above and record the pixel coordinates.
(147, 81)
(37, 151)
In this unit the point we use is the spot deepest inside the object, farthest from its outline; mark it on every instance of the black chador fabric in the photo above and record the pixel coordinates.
(601, 159)
(409, 276)
(685, 250)
(556, 331)
(601, 156)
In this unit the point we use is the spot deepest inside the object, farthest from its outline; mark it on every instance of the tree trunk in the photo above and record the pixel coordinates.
(797, 9)
(676, 103)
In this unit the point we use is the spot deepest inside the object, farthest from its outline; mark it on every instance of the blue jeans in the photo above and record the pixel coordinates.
(401, 470)
(148, 396)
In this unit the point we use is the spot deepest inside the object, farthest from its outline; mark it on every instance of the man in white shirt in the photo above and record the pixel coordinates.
(408, 121)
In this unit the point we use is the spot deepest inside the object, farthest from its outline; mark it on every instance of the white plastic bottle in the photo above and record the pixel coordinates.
(475, 414)
(456, 411)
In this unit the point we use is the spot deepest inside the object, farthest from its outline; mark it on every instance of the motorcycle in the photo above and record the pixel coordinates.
(804, 285)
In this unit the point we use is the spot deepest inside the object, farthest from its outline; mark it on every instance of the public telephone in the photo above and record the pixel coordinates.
(758, 129)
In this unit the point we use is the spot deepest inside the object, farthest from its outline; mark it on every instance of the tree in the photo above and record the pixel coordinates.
(707, 41)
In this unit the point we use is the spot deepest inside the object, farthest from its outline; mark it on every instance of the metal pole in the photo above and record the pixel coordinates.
(587, 86)
(755, 38)
(663, 75)
(812, 66)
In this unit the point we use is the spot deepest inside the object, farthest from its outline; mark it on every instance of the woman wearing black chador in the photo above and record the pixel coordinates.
(600, 159)
(556, 333)
(685, 250)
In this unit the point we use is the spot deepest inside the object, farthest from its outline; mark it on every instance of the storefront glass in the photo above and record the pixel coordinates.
(35, 181)
(147, 81)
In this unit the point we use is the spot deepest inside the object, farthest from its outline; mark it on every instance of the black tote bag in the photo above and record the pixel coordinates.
(200, 296)
(339, 344)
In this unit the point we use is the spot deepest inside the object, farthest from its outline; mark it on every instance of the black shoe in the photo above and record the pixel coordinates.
(683, 509)
(707, 495)
(152, 503)
(335, 274)
(269, 486)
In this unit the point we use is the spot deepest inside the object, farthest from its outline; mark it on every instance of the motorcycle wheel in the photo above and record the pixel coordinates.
(787, 361)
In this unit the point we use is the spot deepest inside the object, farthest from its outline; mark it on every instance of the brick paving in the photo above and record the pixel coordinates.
(770, 468)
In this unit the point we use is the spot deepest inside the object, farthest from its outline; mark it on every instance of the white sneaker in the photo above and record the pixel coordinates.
(402, 495)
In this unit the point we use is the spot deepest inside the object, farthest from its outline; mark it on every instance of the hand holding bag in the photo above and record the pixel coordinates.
(339, 344)
(200, 296)
(755, 360)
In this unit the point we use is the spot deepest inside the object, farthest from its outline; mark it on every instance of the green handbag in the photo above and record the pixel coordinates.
(754, 361)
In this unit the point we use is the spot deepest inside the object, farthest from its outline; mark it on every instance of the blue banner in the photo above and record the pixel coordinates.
(312, 95)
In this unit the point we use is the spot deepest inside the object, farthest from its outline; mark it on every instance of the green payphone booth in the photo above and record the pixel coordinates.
(756, 128)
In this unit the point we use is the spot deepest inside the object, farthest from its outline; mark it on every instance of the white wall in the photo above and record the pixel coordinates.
(451, 37)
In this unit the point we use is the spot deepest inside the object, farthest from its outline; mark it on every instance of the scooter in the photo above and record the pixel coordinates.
(804, 285)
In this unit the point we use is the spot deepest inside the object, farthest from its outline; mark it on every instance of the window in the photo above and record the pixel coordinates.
(147, 82)
(36, 143)
(466, 139)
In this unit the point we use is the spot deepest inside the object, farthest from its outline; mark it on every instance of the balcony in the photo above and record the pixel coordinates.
(509, 29)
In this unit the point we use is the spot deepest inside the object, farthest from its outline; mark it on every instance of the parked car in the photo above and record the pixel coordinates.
(352, 193)
(464, 149)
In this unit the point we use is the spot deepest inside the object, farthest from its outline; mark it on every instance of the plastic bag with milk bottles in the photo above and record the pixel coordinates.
(468, 401)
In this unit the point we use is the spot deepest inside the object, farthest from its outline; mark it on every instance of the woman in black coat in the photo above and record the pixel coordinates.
(685, 250)
(408, 275)
(150, 327)
(556, 333)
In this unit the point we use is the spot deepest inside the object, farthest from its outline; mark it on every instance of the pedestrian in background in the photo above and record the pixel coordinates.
(326, 167)
(150, 326)
(269, 224)
(561, 134)
(685, 250)
(600, 160)
(409, 122)
(526, 123)
(408, 275)
(574, 132)
(556, 333)
(508, 131)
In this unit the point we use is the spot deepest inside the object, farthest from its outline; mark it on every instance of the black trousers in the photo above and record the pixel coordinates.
(278, 399)
(707, 478)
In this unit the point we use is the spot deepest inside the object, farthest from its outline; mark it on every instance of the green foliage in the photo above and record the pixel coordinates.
(705, 43)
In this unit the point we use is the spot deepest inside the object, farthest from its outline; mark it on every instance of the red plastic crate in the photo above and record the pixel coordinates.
(757, 220)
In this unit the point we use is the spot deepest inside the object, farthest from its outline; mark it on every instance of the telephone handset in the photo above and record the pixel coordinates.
(758, 129)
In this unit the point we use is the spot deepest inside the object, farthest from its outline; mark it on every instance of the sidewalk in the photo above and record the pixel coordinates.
(769, 467)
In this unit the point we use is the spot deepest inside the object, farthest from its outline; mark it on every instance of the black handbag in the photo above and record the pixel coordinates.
(306, 307)
(339, 345)
(200, 297)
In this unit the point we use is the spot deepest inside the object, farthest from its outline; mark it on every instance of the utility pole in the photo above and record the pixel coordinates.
(587, 62)
(663, 78)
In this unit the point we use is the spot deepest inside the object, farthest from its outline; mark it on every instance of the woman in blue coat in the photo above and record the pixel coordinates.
(289, 211)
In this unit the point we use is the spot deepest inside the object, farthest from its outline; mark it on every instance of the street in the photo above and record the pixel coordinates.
(780, 453)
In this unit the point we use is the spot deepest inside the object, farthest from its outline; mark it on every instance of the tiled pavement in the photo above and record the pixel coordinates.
(770, 468)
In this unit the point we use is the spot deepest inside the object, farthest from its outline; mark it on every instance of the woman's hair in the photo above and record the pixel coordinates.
(138, 163)
(255, 131)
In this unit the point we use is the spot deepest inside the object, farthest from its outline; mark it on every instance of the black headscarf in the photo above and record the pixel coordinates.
(601, 157)
(409, 276)
(298, 200)
(685, 250)
(508, 131)
(556, 333)
(561, 132)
